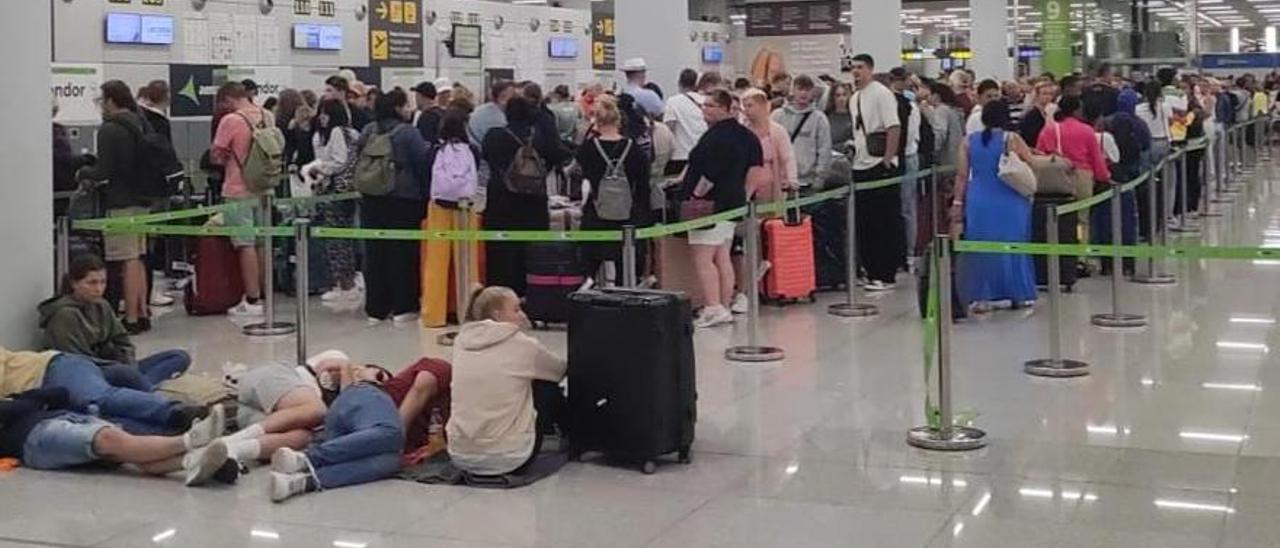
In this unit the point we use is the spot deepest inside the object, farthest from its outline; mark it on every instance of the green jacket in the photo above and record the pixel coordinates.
(90, 329)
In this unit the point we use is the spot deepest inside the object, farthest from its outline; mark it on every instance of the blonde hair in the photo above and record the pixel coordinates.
(754, 94)
(605, 111)
(486, 302)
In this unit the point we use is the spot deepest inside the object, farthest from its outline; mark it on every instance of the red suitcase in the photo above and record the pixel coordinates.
(217, 285)
(788, 246)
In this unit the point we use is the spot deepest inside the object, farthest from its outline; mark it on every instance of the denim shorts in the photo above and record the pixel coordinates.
(243, 216)
(62, 442)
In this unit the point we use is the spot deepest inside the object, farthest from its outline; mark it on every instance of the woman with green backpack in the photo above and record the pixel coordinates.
(393, 175)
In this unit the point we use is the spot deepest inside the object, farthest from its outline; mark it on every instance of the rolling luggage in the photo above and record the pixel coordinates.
(788, 246)
(1068, 233)
(553, 270)
(632, 393)
(285, 268)
(217, 285)
(828, 220)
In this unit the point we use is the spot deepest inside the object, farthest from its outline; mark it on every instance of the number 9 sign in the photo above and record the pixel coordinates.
(1052, 9)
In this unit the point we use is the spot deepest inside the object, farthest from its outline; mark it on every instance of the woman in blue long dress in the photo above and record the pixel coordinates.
(988, 209)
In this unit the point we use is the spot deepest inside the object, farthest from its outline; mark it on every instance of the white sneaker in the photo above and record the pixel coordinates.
(877, 285)
(338, 294)
(740, 304)
(246, 309)
(724, 316)
(205, 430)
(711, 316)
(372, 321)
(159, 299)
(200, 465)
(360, 281)
(287, 461)
(283, 486)
(401, 319)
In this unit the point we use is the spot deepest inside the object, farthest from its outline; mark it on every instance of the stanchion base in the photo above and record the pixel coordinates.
(853, 310)
(754, 354)
(1154, 279)
(958, 438)
(1123, 321)
(1058, 369)
(269, 329)
(446, 339)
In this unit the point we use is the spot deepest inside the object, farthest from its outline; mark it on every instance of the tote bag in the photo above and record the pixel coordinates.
(1054, 172)
(1016, 173)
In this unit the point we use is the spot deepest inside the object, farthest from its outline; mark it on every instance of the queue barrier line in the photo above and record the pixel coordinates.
(202, 211)
(468, 235)
(1126, 251)
(188, 230)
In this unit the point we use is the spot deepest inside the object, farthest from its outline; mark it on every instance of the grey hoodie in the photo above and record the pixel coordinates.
(811, 143)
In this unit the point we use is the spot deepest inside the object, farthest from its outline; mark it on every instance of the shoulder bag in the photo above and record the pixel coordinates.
(1054, 172)
(877, 141)
(1016, 173)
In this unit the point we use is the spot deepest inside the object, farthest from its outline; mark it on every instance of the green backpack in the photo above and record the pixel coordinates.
(263, 167)
(375, 170)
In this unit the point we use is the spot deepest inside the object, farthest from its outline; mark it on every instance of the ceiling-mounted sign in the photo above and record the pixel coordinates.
(119, 1)
(395, 33)
(604, 48)
(153, 2)
(794, 18)
(192, 87)
(327, 8)
(302, 7)
(74, 88)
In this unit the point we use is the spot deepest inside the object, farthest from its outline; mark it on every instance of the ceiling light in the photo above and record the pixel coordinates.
(1253, 320)
(1231, 386)
(1210, 436)
(982, 504)
(164, 535)
(260, 533)
(349, 544)
(1187, 505)
(1236, 345)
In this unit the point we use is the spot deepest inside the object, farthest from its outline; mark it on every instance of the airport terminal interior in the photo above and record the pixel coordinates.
(640, 273)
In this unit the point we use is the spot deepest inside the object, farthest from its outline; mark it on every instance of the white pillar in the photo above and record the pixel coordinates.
(26, 213)
(658, 31)
(989, 39)
(877, 30)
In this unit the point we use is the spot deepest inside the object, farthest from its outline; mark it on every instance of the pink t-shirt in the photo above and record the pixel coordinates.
(1079, 144)
(765, 182)
(231, 147)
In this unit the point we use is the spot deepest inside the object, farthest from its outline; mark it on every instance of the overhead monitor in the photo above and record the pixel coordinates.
(317, 36)
(562, 47)
(157, 29)
(713, 53)
(136, 28)
(466, 42)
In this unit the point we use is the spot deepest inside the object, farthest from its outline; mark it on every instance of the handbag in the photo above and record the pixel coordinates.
(878, 141)
(694, 208)
(1054, 172)
(1016, 173)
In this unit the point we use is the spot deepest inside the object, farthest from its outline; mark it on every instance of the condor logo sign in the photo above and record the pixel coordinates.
(73, 88)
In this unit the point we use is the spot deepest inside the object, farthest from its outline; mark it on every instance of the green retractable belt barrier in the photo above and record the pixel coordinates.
(1135, 251)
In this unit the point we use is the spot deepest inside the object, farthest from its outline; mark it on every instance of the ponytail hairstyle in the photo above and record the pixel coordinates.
(486, 301)
(995, 115)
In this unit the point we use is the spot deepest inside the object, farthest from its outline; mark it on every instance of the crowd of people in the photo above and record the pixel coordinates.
(432, 157)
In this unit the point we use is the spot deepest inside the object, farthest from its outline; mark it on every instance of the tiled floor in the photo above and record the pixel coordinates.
(1173, 441)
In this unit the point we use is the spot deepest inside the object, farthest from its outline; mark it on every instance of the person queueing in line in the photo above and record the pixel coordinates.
(606, 159)
(506, 396)
(79, 321)
(37, 428)
(330, 174)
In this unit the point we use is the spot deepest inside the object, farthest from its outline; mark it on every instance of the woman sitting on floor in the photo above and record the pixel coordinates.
(80, 321)
(506, 395)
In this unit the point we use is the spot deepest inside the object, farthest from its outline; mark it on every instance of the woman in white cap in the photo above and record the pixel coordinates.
(636, 71)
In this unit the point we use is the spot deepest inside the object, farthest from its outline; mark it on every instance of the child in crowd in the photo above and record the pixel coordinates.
(506, 395)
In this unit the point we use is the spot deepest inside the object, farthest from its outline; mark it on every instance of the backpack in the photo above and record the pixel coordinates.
(375, 170)
(613, 192)
(635, 125)
(453, 173)
(928, 142)
(904, 122)
(528, 172)
(156, 162)
(263, 167)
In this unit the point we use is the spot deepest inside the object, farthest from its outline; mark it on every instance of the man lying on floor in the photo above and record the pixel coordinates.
(37, 429)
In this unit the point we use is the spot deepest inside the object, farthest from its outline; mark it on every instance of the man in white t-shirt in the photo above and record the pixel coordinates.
(988, 90)
(877, 139)
(683, 114)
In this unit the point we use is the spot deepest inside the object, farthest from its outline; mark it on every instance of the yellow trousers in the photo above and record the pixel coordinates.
(439, 262)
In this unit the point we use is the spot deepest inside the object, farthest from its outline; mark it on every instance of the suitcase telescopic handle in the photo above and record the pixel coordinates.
(792, 216)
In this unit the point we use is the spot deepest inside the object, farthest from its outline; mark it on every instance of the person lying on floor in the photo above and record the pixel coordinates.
(362, 441)
(37, 429)
(282, 405)
(80, 321)
(506, 395)
(89, 392)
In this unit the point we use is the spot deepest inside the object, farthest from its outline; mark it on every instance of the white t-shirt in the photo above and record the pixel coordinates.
(1157, 122)
(913, 131)
(974, 123)
(878, 112)
(683, 114)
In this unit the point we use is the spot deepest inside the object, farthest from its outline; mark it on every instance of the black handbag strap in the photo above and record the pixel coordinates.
(803, 120)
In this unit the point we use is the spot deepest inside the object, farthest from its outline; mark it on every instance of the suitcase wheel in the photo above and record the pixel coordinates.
(684, 457)
(649, 467)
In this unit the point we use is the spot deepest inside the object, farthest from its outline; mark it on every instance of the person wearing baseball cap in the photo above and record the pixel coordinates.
(427, 118)
(636, 71)
(444, 91)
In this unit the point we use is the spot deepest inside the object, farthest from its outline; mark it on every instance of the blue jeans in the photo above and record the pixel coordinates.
(149, 372)
(62, 442)
(363, 439)
(136, 411)
(910, 170)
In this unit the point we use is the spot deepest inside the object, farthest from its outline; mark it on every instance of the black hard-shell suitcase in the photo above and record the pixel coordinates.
(553, 270)
(1068, 233)
(632, 392)
(829, 245)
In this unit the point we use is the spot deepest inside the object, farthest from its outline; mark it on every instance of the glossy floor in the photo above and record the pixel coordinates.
(1173, 441)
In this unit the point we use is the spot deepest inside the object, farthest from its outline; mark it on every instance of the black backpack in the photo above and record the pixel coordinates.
(155, 162)
(904, 123)
(635, 125)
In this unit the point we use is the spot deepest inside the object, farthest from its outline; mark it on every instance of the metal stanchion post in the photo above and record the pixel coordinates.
(753, 351)
(62, 249)
(1055, 365)
(1207, 187)
(947, 436)
(1117, 318)
(851, 308)
(1154, 234)
(629, 256)
(461, 256)
(269, 327)
(302, 278)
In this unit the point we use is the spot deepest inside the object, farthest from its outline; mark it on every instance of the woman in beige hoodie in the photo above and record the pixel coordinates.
(506, 392)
